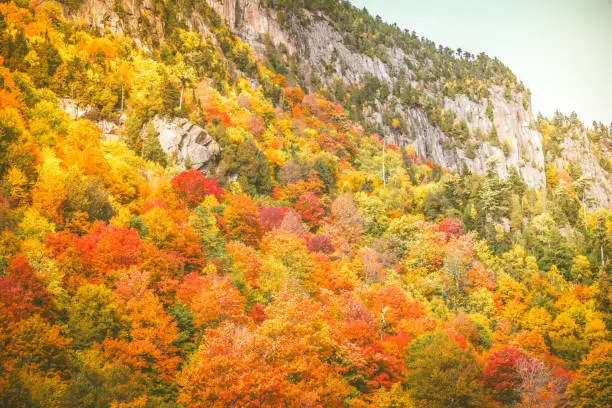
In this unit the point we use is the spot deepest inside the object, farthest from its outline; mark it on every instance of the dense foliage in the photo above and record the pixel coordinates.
(292, 275)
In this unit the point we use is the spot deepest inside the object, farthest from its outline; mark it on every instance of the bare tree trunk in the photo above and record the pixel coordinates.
(384, 175)
(181, 98)
(383, 323)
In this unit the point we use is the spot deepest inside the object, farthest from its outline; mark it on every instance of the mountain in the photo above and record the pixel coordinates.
(462, 111)
(285, 203)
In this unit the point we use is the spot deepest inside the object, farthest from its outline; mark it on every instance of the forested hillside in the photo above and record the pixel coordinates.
(187, 221)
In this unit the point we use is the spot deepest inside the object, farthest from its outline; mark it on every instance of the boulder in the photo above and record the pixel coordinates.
(188, 145)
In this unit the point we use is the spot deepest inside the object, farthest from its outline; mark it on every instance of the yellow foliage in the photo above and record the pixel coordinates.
(161, 229)
(48, 193)
(34, 225)
(352, 180)
(16, 183)
(122, 218)
(237, 135)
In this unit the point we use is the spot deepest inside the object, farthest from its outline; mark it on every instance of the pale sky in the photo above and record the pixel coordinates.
(560, 49)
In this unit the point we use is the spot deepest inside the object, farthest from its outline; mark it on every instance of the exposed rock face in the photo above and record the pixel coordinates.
(108, 129)
(317, 44)
(121, 17)
(512, 121)
(576, 150)
(187, 144)
(320, 50)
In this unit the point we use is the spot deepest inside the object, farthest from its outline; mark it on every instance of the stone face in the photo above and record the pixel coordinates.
(576, 150)
(108, 129)
(187, 144)
(319, 49)
(317, 43)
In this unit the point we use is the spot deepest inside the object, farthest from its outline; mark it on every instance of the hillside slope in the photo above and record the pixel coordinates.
(459, 110)
(185, 223)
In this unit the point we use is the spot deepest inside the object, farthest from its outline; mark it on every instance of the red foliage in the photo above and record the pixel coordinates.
(458, 338)
(451, 228)
(151, 204)
(257, 313)
(321, 243)
(501, 375)
(370, 364)
(193, 186)
(104, 249)
(22, 294)
(310, 209)
(271, 217)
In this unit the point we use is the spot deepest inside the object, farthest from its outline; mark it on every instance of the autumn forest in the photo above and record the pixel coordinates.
(309, 263)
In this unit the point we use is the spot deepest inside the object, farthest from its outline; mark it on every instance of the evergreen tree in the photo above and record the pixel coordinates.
(253, 168)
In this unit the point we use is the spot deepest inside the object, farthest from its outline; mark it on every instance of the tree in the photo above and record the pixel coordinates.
(441, 374)
(451, 228)
(85, 195)
(326, 171)
(271, 217)
(253, 168)
(93, 316)
(310, 208)
(149, 347)
(592, 388)
(535, 377)
(11, 129)
(151, 148)
(501, 375)
(212, 299)
(97, 382)
(205, 225)
(22, 294)
(241, 220)
(289, 265)
(193, 186)
(321, 243)
(581, 269)
(185, 75)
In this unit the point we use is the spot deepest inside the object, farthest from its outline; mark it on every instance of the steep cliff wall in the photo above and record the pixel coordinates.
(318, 46)
(320, 50)
(576, 150)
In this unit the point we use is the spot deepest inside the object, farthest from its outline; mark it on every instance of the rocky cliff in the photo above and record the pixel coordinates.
(188, 145)
(316, 43)
(321, 51)
(576, 150)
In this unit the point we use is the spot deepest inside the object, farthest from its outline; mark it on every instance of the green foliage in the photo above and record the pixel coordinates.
(85, 195)
(441, 374)
(93, 316)
(253, 167)
(151, 149)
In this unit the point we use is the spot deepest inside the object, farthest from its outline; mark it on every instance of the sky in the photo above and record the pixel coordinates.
(560, 49)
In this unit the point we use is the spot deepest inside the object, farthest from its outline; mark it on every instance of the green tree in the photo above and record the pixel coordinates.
(151, 149)
(254, 169)
(593, 386)
(581, 269)
(93, 316)
(441, 374)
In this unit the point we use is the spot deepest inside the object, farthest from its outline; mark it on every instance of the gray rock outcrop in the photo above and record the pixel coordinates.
(321, 51)
(576, 151)
(320, 46)
(186, 144)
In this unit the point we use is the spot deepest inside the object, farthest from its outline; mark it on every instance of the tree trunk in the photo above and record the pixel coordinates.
(384, 176)
(181, 98)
